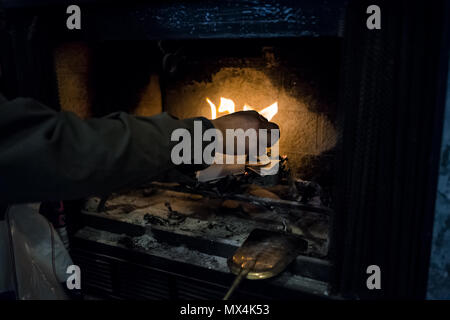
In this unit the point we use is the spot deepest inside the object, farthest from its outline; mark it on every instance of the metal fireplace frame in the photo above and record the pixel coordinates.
(391, 107)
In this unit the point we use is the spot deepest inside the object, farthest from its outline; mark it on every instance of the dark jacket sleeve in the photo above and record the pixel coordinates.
(49, 155)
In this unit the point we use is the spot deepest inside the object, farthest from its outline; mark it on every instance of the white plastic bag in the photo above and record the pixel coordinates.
(38, 255)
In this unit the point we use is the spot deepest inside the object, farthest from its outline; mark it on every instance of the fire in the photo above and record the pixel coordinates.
(227, 105)
(213, 109)
(268, 112)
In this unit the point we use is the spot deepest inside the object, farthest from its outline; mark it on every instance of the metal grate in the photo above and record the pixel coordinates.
(113, 278)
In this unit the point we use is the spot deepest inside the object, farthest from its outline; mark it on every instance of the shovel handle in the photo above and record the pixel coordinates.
(242, 274)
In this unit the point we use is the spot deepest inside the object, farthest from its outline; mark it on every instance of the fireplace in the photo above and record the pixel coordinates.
(202, 218)
(357, 149)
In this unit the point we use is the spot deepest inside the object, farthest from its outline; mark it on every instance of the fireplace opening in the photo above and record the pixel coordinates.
(202, 219)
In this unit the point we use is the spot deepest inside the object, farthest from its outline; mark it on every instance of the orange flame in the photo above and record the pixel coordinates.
(213, 109)
(227, 105)
(268, 112)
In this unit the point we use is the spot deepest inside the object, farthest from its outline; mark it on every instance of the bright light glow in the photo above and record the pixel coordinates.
(213, 109)
(227, 105)
(270, 111)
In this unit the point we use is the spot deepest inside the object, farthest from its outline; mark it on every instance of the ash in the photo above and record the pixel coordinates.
(148, 244)
(208, 212)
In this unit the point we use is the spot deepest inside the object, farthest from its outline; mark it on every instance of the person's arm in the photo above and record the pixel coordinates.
(49, 155)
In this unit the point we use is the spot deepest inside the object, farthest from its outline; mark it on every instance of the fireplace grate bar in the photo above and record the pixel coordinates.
(266, 202)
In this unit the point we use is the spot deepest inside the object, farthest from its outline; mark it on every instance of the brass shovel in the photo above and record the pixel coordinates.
(263, 255)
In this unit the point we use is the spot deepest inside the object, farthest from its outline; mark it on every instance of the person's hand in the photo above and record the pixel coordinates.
(245, 120)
